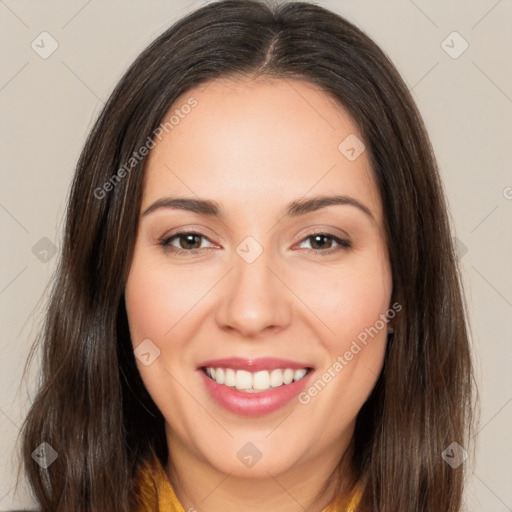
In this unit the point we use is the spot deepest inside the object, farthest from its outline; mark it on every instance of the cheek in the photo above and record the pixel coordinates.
(351, 306)
(348, 299)
(158, 297)
(148, 302)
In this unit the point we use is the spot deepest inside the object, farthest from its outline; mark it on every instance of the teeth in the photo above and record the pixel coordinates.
(230, 377)
(219, 375)
(243, 380)
(261, 380)
(288, 376)
(299, 374)
(276, 378)
(249, 382)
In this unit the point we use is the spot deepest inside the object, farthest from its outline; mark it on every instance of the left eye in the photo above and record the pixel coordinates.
(319, 240)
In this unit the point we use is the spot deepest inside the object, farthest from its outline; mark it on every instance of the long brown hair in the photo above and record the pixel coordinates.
(92, 406)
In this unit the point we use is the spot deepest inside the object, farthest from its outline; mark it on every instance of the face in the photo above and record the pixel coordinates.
(260, 275)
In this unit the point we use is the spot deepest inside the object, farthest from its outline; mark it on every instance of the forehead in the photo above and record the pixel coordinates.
(247, 143)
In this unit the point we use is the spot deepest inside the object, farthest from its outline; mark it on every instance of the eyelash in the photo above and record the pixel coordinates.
(165, 243)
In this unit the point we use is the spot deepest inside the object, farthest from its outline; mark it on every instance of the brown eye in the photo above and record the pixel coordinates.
(186, 242)
(189, 241)
(322, 243)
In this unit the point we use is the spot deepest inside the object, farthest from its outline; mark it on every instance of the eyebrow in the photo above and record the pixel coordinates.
(294, 209)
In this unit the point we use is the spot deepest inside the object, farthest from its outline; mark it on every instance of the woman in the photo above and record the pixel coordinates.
(258, 304)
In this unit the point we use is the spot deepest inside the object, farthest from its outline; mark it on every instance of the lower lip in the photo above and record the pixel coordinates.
(254, 404)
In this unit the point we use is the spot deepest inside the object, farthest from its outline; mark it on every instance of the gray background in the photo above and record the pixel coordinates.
(48, 106)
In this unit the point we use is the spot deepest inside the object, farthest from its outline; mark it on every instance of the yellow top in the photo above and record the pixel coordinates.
(168, 502)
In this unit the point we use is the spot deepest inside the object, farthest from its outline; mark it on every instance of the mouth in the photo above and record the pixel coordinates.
(255, 382)
(254, 387)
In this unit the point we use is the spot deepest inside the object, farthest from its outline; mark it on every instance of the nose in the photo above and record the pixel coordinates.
(254, 299)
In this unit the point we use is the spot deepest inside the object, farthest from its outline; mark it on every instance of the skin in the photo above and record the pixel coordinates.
(253, 147)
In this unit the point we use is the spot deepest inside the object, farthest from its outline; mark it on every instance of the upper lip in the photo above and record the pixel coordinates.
(254, 365)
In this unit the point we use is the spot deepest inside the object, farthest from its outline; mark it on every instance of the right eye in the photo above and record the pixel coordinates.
(188, 242)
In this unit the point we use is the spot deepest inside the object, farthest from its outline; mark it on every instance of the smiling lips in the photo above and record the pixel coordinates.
(254, 387)
(248, 382)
